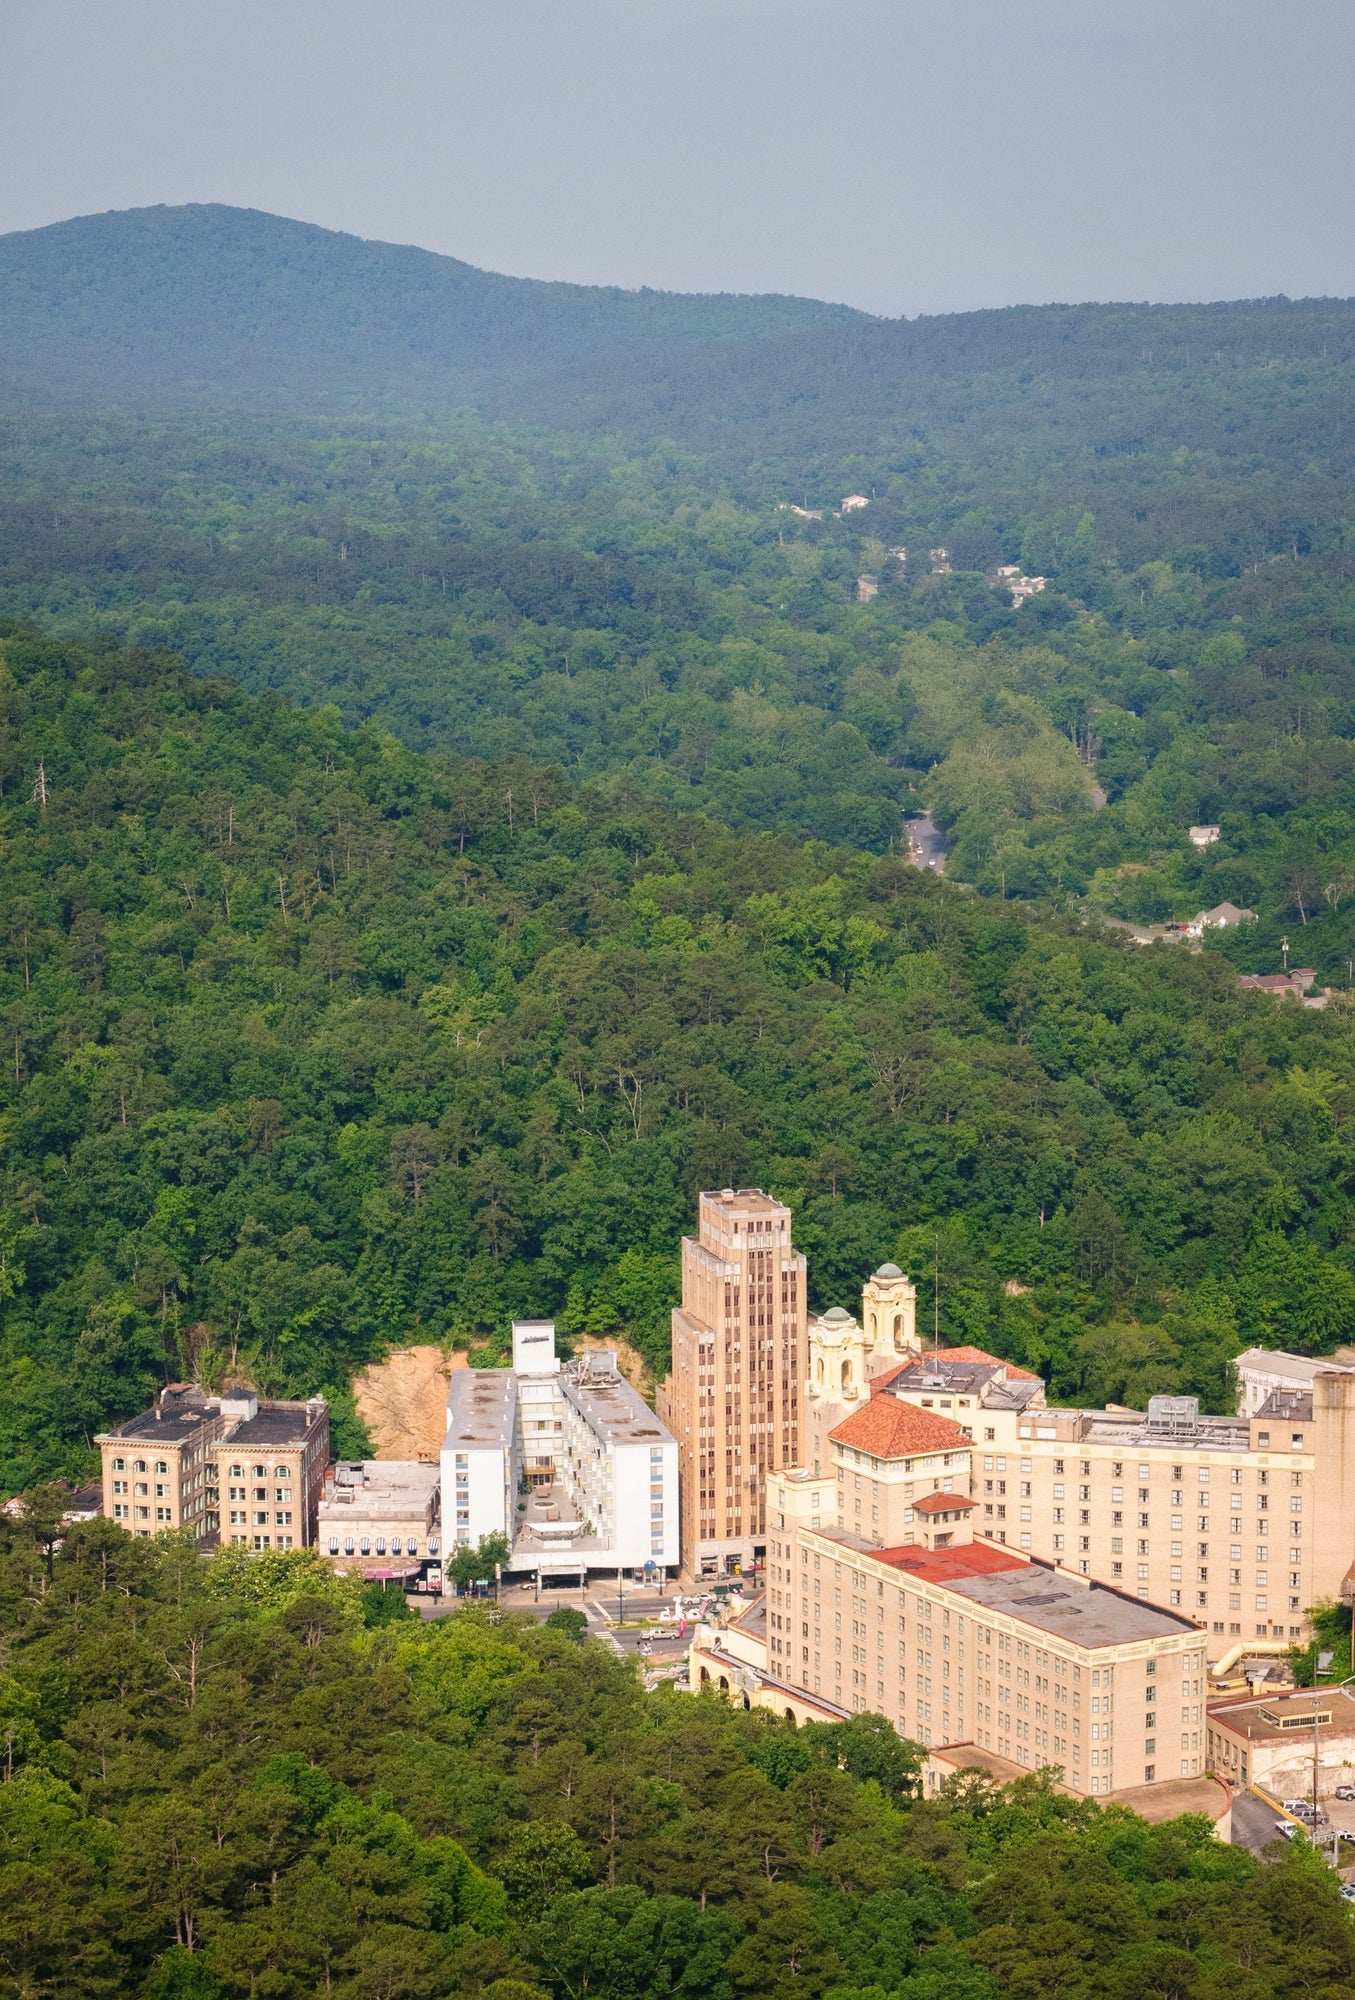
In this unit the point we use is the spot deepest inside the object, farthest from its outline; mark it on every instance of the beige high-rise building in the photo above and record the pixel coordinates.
(733, 1397)
(956, 1640)
(1243, 1523)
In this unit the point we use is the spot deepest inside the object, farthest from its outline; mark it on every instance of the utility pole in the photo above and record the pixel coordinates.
(1317, 1701)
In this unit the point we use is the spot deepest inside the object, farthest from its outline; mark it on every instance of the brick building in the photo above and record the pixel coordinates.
(228, 1467)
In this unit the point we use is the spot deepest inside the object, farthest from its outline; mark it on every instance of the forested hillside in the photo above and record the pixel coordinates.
(583, 552)
(211, 301)
(311, 1042)
(221, 1783)
(621, 616)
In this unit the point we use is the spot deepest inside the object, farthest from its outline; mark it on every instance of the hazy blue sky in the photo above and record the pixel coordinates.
(905, 157)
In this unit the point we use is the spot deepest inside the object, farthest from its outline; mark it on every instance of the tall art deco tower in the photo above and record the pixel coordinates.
(739, 1357)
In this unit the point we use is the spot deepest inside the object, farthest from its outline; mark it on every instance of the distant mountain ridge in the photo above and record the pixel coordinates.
(182, 301)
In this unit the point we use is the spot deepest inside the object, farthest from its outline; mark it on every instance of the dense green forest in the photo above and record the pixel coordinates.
(494, 597)
(312, 1042)
(234, 1780)
(454, 761)
(594, 565)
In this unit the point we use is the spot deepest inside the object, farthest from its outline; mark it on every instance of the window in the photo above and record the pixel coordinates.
(119, 1465)
(237, 1472)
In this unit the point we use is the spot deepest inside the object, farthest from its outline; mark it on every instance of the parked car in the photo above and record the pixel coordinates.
(655, 1632)
(1311, 1815)
(1286, 1829)
(1295, 1805)
(1348, 1892)
(1345, 1792)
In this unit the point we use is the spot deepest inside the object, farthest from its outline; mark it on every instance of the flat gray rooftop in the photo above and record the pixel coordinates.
(270, 1427)
(1203, 1434)
(390, 1486)
(610, 1407)
(481, 1405)
(1067, 1608)
(171, 1428)
(1300, 1369)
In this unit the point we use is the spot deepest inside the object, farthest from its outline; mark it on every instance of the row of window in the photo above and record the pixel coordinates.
(236, 1471)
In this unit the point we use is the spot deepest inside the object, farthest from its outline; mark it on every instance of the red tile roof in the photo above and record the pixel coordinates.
(977, 1354)
(944, 1503)
(948, 1565)
(887, 1428)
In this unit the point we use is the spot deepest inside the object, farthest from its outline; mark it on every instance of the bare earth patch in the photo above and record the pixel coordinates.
(403, 1401)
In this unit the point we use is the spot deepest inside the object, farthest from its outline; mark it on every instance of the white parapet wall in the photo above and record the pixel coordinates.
(567, 1460)
(479, 1457)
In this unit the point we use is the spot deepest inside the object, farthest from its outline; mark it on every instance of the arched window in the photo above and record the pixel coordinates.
(381, 1545)
(413, 1545)
(846, 1375)
(396, 1545)
(432, 1545)
(348, 1545)
(364, 1545)
(139, 1465)
(333, 1545)
(898, 1326)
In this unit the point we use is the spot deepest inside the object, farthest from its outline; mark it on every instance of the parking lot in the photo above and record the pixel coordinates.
(1254, 1826)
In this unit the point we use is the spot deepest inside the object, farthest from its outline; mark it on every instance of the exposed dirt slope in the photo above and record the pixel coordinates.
(403, 1401)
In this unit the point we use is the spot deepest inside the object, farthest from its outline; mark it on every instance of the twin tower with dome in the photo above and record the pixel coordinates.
(846, 1355)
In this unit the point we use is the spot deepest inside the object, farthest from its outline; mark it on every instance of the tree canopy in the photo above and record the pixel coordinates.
(312, 1043)
(221, 1782)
